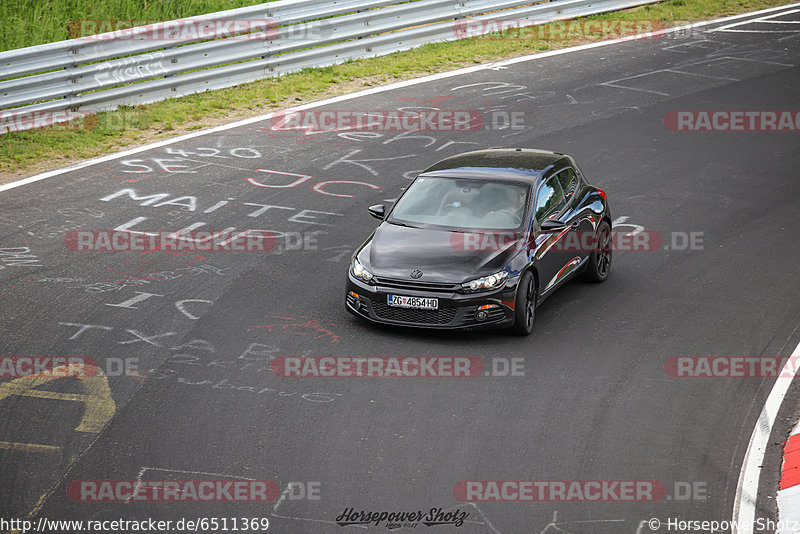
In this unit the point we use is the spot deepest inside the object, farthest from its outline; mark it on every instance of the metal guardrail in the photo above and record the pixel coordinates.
(227, 48)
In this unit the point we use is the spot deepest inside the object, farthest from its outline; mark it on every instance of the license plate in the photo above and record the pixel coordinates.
(419, 303)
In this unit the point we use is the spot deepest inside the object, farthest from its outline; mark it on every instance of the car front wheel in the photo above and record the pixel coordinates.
(524, 305)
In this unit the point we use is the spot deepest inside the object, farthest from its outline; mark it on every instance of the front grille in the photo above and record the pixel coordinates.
(407, 315)
(416, 284)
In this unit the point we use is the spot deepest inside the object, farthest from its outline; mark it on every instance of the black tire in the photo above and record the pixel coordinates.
(599, 265)
(524, 306)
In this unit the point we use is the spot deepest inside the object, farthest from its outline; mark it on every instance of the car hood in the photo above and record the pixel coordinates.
(394, 251)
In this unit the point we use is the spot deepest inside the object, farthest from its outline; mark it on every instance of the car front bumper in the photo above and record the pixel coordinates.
(455, 310)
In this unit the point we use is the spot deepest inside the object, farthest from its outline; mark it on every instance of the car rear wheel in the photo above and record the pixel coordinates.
(524, 305)
(599, 264)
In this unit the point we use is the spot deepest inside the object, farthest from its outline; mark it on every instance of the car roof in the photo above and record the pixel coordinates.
(512, 164)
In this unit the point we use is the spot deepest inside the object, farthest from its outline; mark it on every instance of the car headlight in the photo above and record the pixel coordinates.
(358, 270)
(493, 281)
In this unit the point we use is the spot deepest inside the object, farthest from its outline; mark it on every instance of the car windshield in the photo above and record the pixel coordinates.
(462, 203)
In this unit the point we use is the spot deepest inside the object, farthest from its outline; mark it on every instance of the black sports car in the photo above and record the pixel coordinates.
(481, 239)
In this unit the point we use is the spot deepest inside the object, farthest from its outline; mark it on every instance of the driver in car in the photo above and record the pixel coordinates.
(507, 206)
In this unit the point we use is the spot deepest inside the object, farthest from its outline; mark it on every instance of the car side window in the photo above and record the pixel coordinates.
(549, 200)
(569, 181)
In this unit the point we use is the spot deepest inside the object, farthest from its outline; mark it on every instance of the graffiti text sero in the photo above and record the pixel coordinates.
(559, 490)
(173, 490)
(733, 121)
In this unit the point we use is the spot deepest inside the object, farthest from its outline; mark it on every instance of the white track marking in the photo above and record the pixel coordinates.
(767, 20)
(744, 505)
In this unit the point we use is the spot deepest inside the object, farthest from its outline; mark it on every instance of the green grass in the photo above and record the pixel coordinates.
(33, 22)
(35, 150)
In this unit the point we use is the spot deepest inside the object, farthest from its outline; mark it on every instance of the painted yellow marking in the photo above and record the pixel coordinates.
(96, 396)
(29, 447)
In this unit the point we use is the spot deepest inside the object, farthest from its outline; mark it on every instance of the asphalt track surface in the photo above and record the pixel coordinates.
(595, 402)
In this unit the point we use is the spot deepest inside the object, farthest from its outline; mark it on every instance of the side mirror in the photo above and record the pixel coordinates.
(378, 211)
(551, 226)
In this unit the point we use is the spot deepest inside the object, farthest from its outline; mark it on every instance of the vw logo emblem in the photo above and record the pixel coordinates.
(416, 273)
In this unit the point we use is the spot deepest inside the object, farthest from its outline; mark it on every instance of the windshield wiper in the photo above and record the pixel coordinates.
(402, 224)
